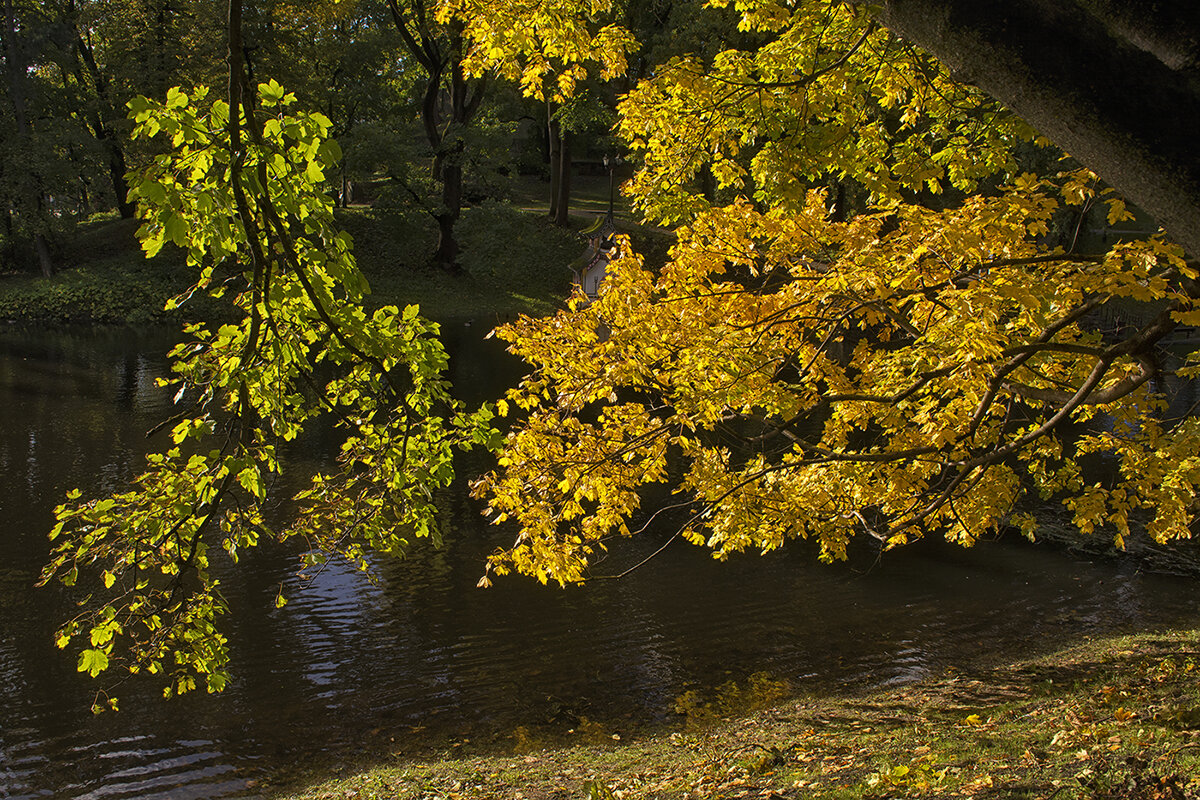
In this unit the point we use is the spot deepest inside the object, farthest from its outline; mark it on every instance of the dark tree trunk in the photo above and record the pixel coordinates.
(553, 149)
(708, 182)
(562, 205)
(158, 56)
(446, 255)
(838, 207)
(45, 260)
(1116, 83)
(448, 159)
(15, 63)
(116, 174)
(441, 57)
(100, 129)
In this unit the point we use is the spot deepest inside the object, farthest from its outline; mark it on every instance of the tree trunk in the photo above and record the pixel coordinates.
(708, 182)
(100, 129)
(437, 57)
(45, 261)
(448, 160)
(562, 206)
(446, 255)
(15, 63)
(1116, 83)
(116, 174)
(553, 148)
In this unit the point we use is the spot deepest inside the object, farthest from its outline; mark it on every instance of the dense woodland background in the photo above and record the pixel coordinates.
(417, 134)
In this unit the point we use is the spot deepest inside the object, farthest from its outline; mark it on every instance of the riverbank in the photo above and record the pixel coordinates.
(514, 261)
(1113, 718)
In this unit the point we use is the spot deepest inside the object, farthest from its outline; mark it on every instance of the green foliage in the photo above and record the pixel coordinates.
(51, 166)
(487, 157)
(251, 216)
(83, 296)
(147, 46)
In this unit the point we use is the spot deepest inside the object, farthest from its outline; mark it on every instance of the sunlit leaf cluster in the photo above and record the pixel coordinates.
(546, 47)
(924, 365)
(245, 202)
(829, 95)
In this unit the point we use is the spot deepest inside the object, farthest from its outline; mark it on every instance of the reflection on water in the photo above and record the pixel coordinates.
(348, 664)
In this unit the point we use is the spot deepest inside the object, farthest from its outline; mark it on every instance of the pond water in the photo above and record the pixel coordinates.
(422, 656)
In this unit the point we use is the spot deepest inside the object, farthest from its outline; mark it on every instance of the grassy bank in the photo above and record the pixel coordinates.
(514, 261)
(102, 277)
(1115, 718)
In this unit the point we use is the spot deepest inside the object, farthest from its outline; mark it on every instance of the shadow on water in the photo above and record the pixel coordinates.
(422, 657)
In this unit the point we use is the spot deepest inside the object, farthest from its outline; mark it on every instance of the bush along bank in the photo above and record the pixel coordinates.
(122, 292)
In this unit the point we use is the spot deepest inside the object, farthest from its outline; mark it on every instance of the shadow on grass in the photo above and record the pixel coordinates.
(1117, 717)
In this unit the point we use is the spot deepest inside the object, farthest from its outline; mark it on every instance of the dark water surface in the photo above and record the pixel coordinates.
(349, 666)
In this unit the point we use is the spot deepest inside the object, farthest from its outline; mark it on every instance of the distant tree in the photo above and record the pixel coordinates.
(340, 59)
(548, 49)
(70, 66)
(51, 162)
(450, 100)
(117, 49)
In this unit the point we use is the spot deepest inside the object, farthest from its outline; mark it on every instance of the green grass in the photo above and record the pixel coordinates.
(589, 196)
(513, 262)
(1115, 718)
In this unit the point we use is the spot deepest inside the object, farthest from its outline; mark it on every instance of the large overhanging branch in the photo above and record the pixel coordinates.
(958, 470)
(1113, 83)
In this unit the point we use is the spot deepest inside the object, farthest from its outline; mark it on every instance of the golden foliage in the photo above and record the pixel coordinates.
(919, 366)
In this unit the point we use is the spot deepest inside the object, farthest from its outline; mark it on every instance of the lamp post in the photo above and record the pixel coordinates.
(610, 164)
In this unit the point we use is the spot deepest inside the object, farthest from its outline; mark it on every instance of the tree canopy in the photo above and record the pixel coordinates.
(875, 321)
(922, 366)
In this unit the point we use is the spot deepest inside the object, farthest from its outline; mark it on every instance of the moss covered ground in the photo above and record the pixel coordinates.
(1113, 718)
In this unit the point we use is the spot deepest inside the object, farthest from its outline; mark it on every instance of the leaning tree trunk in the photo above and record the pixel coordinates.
(116, 175)
(1116, 83)
(103, 132)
